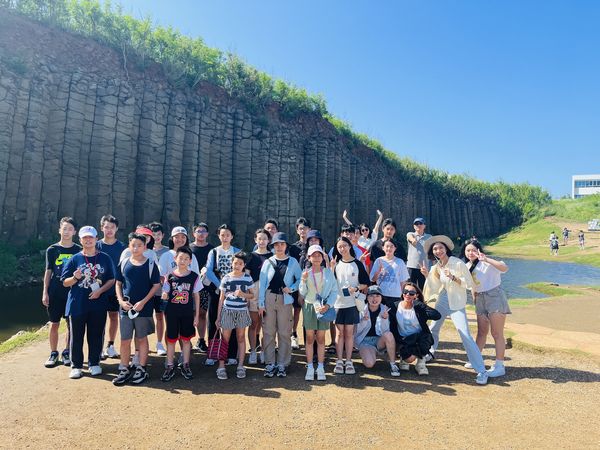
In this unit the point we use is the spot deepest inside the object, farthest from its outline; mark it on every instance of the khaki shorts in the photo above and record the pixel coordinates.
(492, 301)
(253, 305)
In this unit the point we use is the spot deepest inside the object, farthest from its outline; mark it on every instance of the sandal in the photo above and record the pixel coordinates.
(339, 367)
(240, 372)
(350, 368)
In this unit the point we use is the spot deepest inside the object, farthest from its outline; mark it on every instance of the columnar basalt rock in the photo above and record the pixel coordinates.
(79, 136)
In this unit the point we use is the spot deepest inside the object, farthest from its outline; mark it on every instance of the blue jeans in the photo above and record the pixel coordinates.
(459, 318)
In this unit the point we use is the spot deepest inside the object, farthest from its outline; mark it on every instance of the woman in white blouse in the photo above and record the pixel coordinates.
(447, 283)
(490, 300)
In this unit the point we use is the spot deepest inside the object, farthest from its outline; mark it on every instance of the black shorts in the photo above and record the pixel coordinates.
(156, 304)
(113, 303)
(204, 298)
(347, 316)
(180, 325)
(56, 309)
(296, 304)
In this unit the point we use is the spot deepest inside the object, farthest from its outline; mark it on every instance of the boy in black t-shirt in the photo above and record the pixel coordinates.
(54, 295)
(180, 288)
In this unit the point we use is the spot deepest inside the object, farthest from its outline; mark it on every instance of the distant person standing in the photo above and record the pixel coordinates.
(565, 233)
(554, 245)
(581, 237)
(416, 254)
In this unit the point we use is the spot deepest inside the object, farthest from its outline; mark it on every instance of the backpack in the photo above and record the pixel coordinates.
(150, 265)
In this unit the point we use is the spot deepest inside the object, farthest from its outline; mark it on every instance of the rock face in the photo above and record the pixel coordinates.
(81, 136)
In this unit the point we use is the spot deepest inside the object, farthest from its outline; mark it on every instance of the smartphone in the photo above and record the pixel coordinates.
(346, 292)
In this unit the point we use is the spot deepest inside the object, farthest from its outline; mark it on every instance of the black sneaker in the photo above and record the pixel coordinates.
(168, 374)
(139, 376)
(186, 372)
(270, 370)
(66, 357)
(52, 359)
(202, 346)
(281, 372)
(122, 378)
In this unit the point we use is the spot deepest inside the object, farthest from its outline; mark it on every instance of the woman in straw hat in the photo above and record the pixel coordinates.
(447, 283)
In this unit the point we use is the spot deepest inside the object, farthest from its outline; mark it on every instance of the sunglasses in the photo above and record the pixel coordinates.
(407, 292)
(418, 223)
(364, 229)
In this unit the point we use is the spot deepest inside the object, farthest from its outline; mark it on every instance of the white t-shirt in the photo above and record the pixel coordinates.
(167, 264)
(349, 274)
(407, 321)
(485, 276)
(394, 272)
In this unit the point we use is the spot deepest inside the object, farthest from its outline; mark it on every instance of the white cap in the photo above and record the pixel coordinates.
(178, 230)
(88, 231)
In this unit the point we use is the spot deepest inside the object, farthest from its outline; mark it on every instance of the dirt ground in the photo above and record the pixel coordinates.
(545, 400)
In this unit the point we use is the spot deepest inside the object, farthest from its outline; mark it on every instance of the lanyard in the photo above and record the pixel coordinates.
(312, 272)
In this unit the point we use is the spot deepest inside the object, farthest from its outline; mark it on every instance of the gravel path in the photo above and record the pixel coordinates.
(546, 400)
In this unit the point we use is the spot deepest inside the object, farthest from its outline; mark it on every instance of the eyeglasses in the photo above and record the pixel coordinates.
(407, 292)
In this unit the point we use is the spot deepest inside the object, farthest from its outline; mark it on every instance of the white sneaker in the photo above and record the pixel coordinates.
(231, 362)
(321, 374)
(209, 362)
(468, 365)
(75, 374)
(496, 371)
(111, 352)
(421, 368)
(482, 378)
(295, 343)
(252, 358)
(403, 365)
(160, 349)
(95, 371)
(394, 370)
(310, 373)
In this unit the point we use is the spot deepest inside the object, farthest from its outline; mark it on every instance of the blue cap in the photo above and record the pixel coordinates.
(419, 219)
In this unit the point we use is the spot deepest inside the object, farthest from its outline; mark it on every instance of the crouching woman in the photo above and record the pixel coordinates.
(408, 323)
(372, 334)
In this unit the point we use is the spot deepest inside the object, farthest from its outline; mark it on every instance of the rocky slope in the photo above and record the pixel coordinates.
(83, 134)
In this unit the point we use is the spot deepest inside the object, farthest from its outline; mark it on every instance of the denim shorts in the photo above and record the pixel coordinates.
(492, 301)
(371, 341)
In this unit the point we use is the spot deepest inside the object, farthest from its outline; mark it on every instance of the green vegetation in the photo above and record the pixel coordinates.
(551, 290)
(530, 240)
(23, 339)
(187, 62)
(18, 263)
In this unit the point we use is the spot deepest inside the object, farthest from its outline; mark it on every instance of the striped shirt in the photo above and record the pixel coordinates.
(230, 284)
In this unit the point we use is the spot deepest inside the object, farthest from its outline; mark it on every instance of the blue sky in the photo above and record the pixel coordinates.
(500, 90)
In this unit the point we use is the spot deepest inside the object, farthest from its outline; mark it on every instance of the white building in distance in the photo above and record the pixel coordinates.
(583, 185)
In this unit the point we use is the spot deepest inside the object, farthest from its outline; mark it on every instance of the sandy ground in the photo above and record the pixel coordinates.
(545, 400)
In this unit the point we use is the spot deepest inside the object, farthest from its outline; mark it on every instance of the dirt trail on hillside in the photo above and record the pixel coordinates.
(42, 408)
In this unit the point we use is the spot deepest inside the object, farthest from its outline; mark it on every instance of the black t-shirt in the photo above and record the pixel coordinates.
(137, 282)
(297, 249)
(376, 250)
(56, 258)
(201, 253)
(256, 263)
(181, 290)
(373, 315)
(276, 284)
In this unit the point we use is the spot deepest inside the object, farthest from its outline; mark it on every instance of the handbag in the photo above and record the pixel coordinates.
(217, 347)
(329, 315)
(359, 301)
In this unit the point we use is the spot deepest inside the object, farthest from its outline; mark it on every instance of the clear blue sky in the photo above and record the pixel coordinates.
(504, 90)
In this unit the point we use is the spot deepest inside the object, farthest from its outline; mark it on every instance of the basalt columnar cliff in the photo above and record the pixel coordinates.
(83, 134)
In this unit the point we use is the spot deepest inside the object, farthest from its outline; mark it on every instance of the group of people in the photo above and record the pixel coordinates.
(554, 244)
(369, 293)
